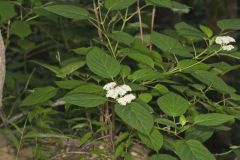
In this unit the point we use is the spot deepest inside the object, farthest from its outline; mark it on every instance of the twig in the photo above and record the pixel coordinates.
(140, 20)
(224, 153)
(21, 138)
(98, 21)
(152, 26)
(14, 118)
(113, 128)
(21, 94)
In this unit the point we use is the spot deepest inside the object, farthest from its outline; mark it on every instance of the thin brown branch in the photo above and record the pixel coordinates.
(140, 20)
(2, 76)
(113, 128)
(152, 25)
(98, 21)
(14, 118)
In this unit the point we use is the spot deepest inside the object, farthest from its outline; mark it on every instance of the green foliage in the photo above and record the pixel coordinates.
(84, 100)
(39, 95)
(169, 44)
(154, 140)
(173, 5)
(162, 156)
(102, 64)
(136, 116)
(20, 28)
(118, 4)
(173, 104)
(68, 11)
(229, 24)
(175, 74)
(188, 31)
(211, 79)
(192, 149)
(6, 11)
(212, 119)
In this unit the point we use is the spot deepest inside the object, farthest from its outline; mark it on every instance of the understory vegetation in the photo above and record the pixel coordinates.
(105, 79)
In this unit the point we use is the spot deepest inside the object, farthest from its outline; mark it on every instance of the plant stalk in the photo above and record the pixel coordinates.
(140, 20)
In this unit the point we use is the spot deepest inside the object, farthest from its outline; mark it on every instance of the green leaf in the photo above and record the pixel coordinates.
(119, 150)
(223, 67)
(162, 157)
(145, 105)
(102, 64)
(20, 28)
(82, 50)
(165, 122)
(39, 95)
(87, 88)
(136, 116)
(161, 89)
(10, 135)
(65, 70)
(125, 71)
(146, 97)
(84, 100)
(200, 133)
(137, 87)
(7, 11)
(212, 119)
(120, 138)
(86, 137)
(229, 24)
(71, 67)
(68, 11)
(211, 79)
(144, 59)
(173, 104)
(154, 140)
(54, 69)
(189, 66)
(145, 74)
(118, 4)
(169, 44)
(192, 149)
(173, 5)
(69, 84)
(122, 37)
(206, 30)
(188, 31)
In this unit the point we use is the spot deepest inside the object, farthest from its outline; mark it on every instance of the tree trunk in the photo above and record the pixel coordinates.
(2, 75)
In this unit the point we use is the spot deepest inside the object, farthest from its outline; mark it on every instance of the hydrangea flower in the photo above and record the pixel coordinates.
(128, 98)
(228, 47)
(109, 86)
(224, 40)
(112, 93)
(119, 93)
(123, 89)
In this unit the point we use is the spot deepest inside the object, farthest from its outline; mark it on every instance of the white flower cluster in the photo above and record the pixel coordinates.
(224, 42)
(119, 93)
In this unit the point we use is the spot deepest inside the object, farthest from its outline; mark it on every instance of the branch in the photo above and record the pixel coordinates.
(98, 21)
(152, 25)
(140, 20)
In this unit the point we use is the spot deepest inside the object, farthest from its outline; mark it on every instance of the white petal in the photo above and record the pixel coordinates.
(122, 101)
(228, 47)
(224, 40)
(112, 94)
(126, 87)
(109, 86)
